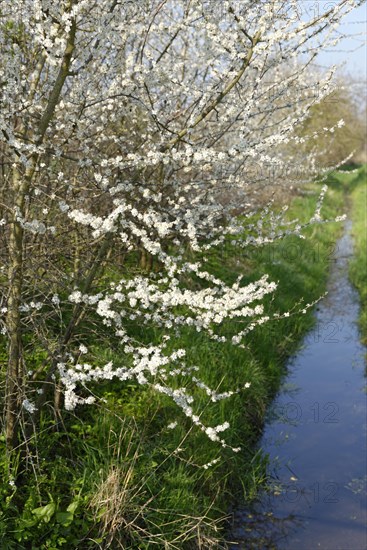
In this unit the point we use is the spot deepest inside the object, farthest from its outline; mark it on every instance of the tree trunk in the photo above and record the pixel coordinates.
(21, 184)
(14, 376)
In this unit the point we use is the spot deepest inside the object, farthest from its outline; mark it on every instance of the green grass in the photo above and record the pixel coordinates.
(358, 267)
(116, 475)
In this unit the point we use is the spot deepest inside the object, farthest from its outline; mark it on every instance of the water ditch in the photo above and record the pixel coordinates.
(315, 436)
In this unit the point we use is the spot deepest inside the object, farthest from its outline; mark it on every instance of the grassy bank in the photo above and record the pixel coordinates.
(116, 475)
(358, 267)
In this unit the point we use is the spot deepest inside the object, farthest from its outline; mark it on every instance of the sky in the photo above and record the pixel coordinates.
(351, 51)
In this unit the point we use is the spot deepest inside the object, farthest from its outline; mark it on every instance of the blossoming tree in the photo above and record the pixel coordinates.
(132, 128)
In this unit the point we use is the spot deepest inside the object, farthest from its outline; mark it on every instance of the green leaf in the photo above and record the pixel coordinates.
(26, 524)
(65, 518)
(73, 506)
(45, 513)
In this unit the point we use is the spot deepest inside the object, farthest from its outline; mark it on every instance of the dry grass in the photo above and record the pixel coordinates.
(126, 510)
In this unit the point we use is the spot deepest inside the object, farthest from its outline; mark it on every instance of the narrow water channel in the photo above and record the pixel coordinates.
(315, 436)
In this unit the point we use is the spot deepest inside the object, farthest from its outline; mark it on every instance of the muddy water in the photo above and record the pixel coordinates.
(315, 436)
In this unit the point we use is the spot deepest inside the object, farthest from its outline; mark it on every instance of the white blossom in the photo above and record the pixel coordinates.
(29, 406)
(155, 154)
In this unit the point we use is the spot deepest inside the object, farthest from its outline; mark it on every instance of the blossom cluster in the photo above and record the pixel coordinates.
(120, 140)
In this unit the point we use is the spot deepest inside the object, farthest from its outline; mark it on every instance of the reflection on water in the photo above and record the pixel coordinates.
(315, 436)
